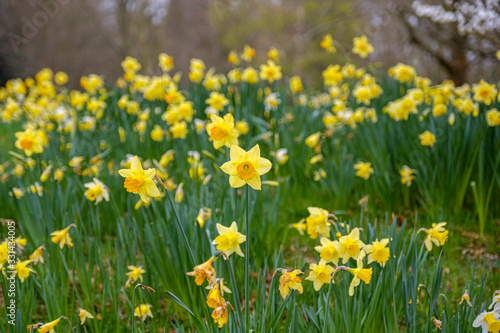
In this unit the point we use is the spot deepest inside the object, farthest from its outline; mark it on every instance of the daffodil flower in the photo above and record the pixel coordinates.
(320, 274)
(488, 321)
(290, 280)
(359, 273)
(49, 327)
(203, 271)
(222, 131)
(350, 246)
(62, 237)
(378, 252)
(246, 167)
(84, 314)
(140, 181)
(229, 239)
(143, 311)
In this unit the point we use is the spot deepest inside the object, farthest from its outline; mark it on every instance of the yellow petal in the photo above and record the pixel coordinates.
(236, 182)
(229, 168)
(254, 155)
(263, 166)
(236, 153)
(254, 182)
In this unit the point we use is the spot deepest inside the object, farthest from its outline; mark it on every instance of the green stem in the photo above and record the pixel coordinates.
(326, 306)
(177, 218)
(133, 310)
(236, 297)
(247, 262)
(71, 326)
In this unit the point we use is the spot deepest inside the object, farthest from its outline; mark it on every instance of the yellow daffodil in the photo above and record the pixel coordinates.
(134, 274)
(364, 169)
(299, 226)
(203, 215)
(328, 250)
(270, 71)
(203, 271)
(217, 101)
(62, 237)
(222, 131)
(484, 92)
(427, 139)
(96, 191)
(313, 140)
(407, 175)
(246, 167)
(140, 181)
(84, 314)
(229, 239)
(29, 141)
(49, 327)
(248, 53)
(37, 255)
(493, 117)
(350, 246)
(362, 47)
(437, 235)
(165, 62)
(290, 280)
(378, 251)
(22, 270)
(327, 44)
(359, 273)
(296, 86)
(233, 58)
(273, 54)
(317, 223)
(282, 156)
(242, 127)
(320, 274)
(143, 311)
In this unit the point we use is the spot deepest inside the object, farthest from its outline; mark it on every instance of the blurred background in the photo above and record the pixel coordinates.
(444, 39)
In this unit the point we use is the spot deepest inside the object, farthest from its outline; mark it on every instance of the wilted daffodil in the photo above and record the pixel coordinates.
(62, 237)
(350, 246)
(203, 271)
(437, 235)
(320, 274)
(84, 314)
(143, 311)
(219, 304)
(222, 131)
(37, 255)
(229, 239)
(140, 181)
(96, 191)
(290, 280)
(378, 251)
(246, 167)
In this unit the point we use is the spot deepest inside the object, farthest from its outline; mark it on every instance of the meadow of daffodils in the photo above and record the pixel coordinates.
(249, 202)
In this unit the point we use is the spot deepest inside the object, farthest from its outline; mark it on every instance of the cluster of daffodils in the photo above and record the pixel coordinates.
(347, 247)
